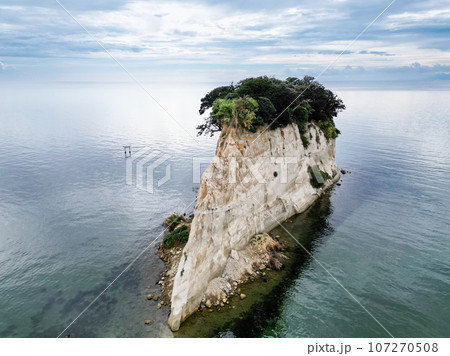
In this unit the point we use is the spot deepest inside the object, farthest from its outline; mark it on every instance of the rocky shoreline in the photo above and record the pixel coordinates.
(263, 253)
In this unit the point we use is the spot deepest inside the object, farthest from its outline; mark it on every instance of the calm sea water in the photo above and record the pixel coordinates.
(69, 224)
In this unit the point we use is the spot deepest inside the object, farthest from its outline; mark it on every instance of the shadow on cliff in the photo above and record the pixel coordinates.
(251, 316)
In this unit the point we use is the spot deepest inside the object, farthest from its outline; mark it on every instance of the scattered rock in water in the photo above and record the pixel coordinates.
(256, 257)
(343, 171)
(149, 297)
(147, 322)
(338, 184)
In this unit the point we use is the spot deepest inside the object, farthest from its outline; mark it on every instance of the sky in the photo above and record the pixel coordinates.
(211, 41)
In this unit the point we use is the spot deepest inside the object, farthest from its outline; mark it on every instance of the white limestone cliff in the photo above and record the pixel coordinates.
(256, 181)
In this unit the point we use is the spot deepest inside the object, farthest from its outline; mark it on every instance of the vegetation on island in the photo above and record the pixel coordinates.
(173, 221)
(317, 178)
(256, 102)
(178, 236)
(178, 228)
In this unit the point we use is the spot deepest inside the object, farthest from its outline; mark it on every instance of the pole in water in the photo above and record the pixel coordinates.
(125, 150)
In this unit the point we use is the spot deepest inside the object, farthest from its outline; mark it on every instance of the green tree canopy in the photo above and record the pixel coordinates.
(239, 113)
(279, 103)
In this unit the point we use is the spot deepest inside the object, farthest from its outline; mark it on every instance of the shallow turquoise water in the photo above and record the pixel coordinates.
(69, 224)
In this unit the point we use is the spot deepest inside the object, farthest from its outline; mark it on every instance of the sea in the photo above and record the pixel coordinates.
(79, 228)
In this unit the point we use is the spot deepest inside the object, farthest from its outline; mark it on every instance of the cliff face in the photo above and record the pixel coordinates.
(251, 186)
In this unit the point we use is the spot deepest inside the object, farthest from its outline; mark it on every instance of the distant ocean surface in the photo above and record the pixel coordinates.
(69, 224)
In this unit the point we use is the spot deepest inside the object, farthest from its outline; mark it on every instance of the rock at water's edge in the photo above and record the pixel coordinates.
(236, 201)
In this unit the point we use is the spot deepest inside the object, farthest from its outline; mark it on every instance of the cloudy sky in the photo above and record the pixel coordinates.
(224, 40)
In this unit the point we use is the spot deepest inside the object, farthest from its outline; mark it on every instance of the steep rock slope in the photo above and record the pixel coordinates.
(256, 181)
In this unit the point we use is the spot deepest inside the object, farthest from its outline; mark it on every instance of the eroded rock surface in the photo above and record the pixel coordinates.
(255, 182)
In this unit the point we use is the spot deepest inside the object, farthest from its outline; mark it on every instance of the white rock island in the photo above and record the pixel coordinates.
(256, 181)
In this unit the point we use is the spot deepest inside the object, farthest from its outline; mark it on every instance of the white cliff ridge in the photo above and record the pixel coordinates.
(253, 184)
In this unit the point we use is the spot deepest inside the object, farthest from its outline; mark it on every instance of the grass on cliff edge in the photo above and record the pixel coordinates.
(173, 221)
(178, 236)
(178, 228)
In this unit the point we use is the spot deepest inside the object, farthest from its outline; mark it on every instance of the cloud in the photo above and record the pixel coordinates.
(413, 19)
(260, 34)
(4, 66)
(410, 17)
(141, 23)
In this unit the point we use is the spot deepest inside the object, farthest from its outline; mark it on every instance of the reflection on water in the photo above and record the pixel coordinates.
(70, 225)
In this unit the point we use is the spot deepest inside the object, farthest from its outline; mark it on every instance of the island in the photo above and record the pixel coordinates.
(275, 156)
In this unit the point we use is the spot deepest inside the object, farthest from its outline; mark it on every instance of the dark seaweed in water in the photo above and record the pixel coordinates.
(250, 317)
(314, 226)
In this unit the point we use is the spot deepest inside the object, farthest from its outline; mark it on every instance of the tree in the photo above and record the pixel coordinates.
(280, 103)
(218, 93)
(238, 113)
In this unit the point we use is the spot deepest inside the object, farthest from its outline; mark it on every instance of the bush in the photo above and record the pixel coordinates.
(173, 221)
(208, 100)
(178, 236)
(266, 109)
(305, 141)
(314, 176)
(238, 113)
(328, 128)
